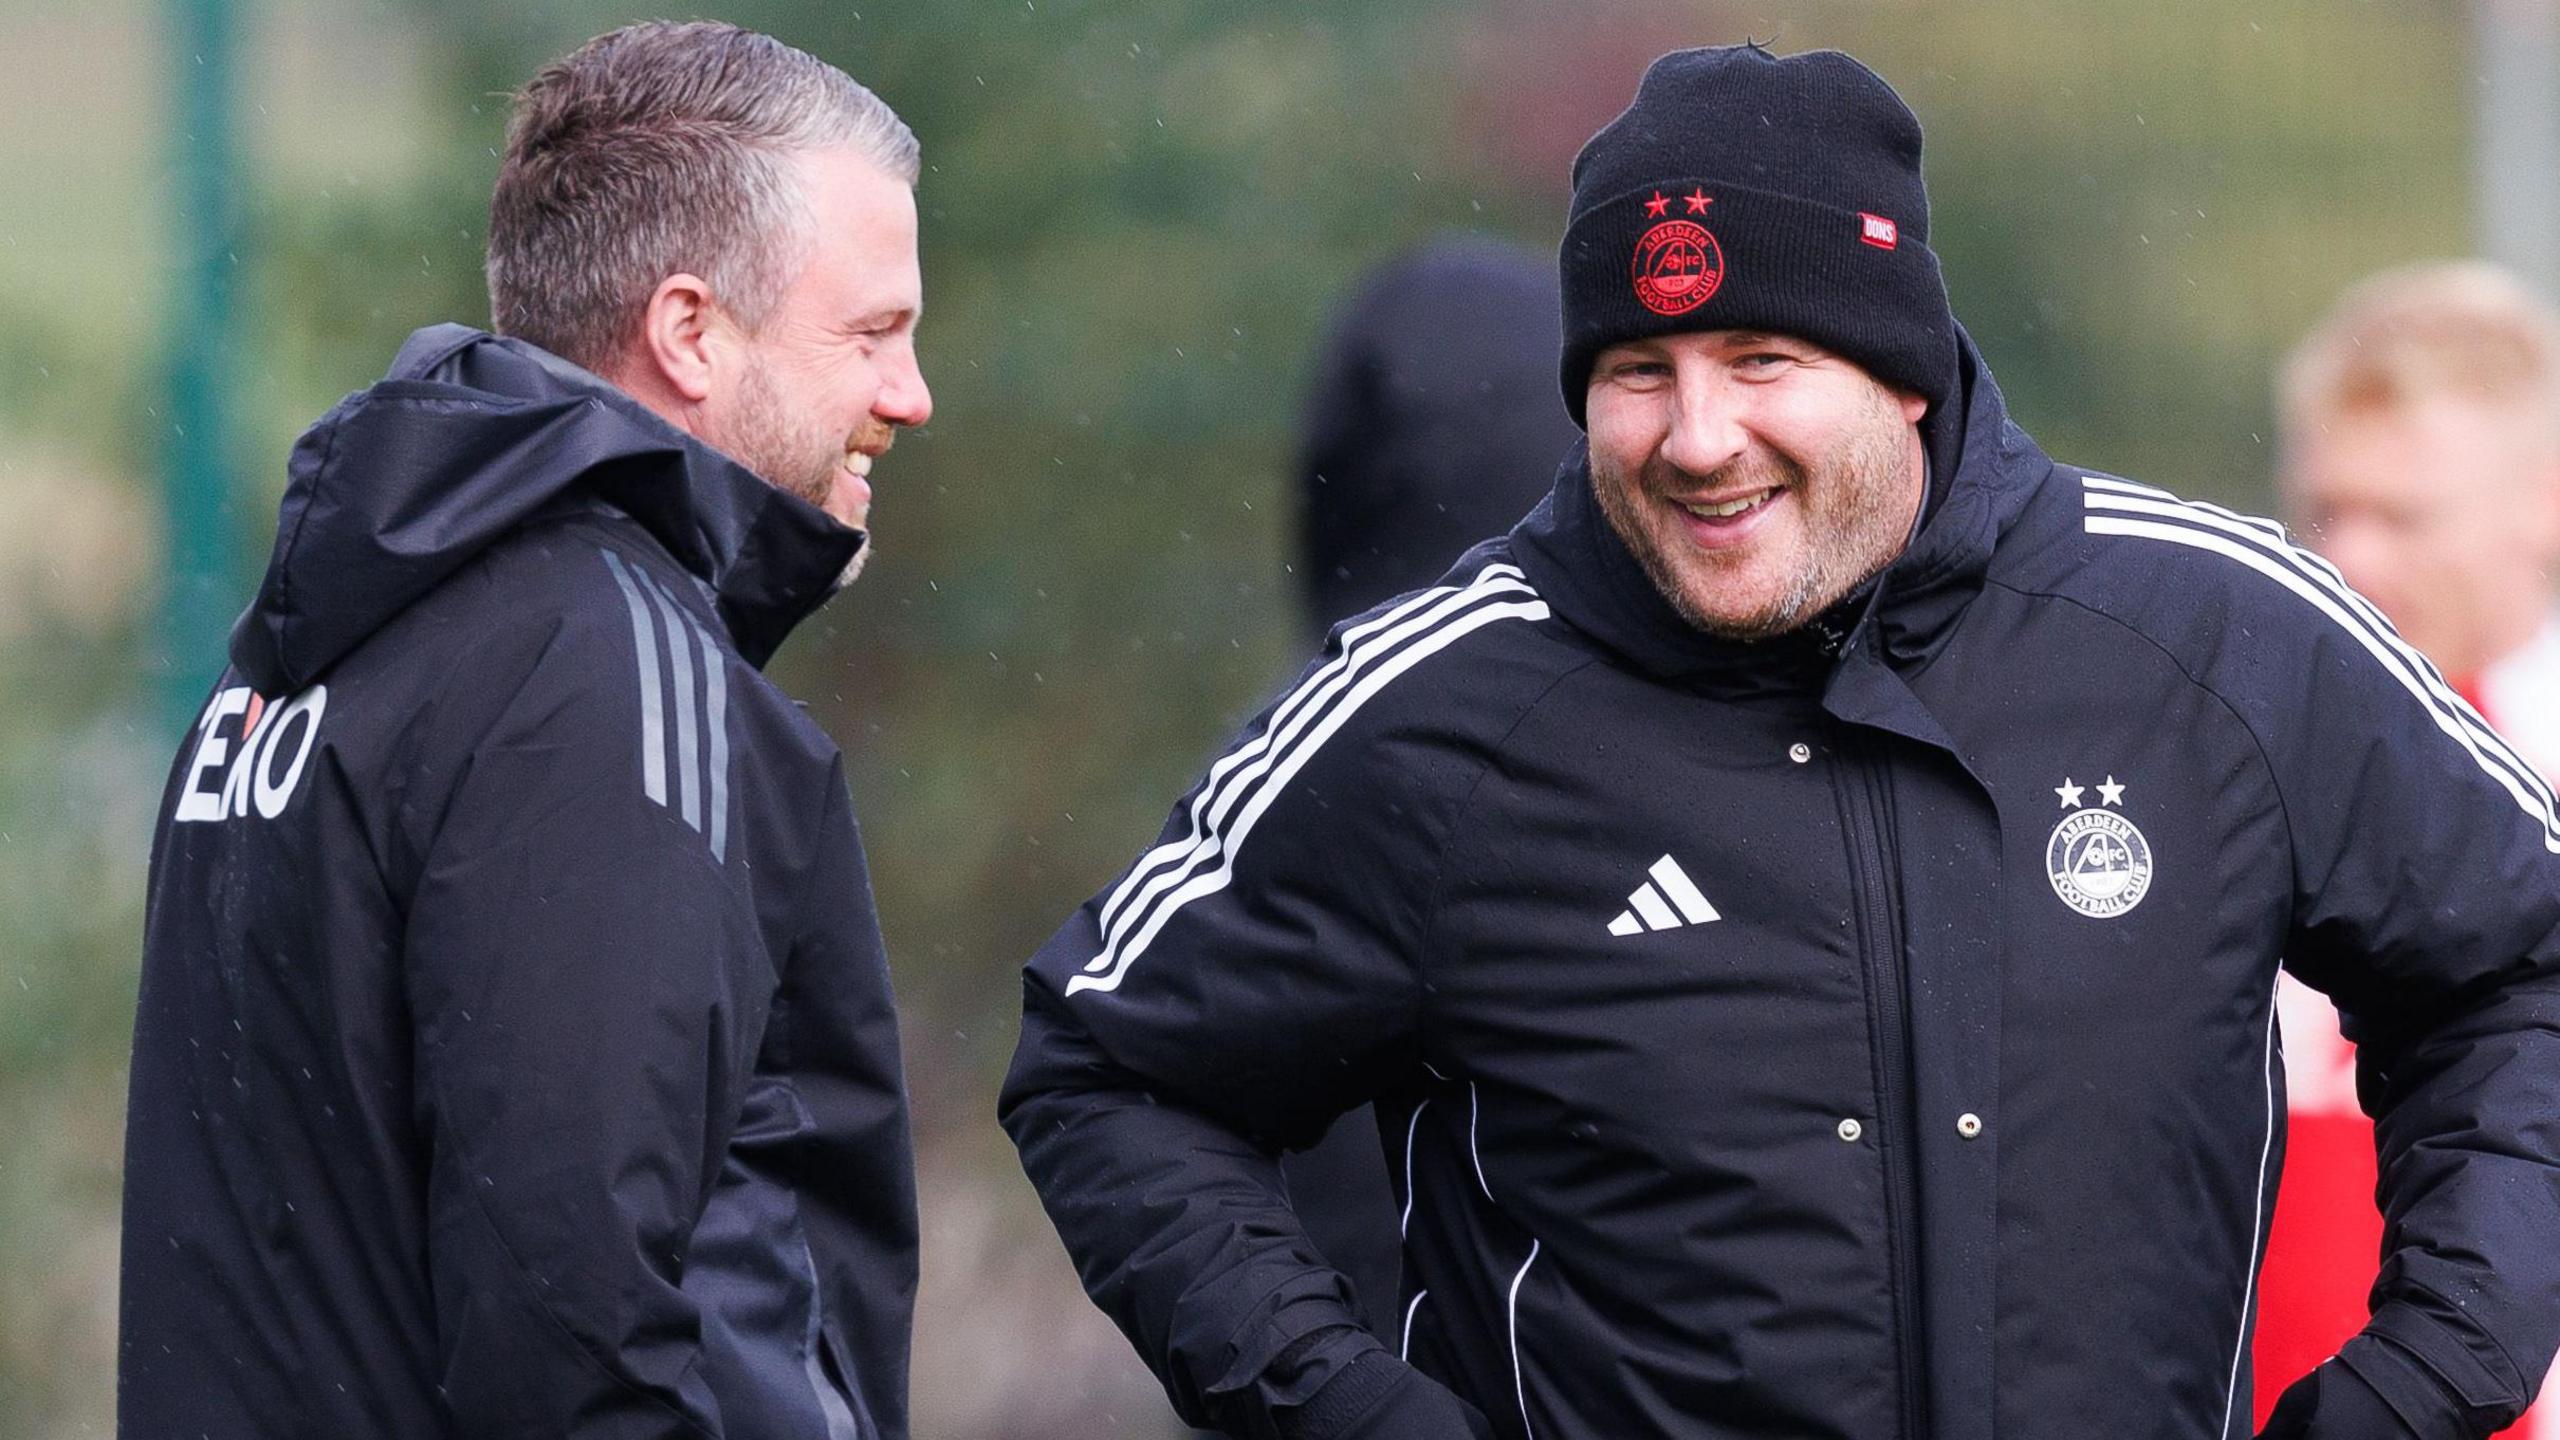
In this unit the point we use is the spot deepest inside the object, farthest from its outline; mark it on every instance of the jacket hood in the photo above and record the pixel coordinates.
(466, 438)
(1982, 470)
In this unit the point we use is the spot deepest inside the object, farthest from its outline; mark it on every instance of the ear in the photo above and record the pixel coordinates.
(1913, 403)
(678, 335)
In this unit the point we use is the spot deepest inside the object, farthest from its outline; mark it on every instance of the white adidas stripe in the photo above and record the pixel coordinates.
(1666, 872)
(1253, 788)
(1312, 691)
(1648, 902)
(2273, 538)
(2260, 546)
(1655, 911)
(1235, 773)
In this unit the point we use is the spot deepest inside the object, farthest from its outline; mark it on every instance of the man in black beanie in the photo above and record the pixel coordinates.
(1806, 905)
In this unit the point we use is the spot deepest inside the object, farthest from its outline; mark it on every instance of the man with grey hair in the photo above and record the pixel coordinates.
(515, 1053)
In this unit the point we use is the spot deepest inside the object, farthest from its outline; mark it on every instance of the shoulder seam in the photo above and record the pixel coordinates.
(1428, 910)
(2266, 762)
(2264, 547)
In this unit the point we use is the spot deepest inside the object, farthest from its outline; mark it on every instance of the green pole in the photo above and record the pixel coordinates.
(197, 487)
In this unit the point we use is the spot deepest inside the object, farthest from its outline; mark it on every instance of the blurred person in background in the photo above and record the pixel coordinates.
(1807, 904)
(515, 1053)
(2420, 445)
(1433, 422)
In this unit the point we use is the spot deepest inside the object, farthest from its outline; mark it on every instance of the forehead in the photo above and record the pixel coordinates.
(862, 227)
(2434, 451)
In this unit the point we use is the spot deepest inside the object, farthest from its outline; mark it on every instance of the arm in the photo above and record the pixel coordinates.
(587, 988)
(1177, 1034)
(2428, 908)
(855, 1178)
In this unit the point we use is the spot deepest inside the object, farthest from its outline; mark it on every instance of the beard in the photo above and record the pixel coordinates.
(1856, 513)
(761, 433)
(799, 457)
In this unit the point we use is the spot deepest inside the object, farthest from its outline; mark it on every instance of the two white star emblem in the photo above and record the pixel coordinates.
(2109, 792)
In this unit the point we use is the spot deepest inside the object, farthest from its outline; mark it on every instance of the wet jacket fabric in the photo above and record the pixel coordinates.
(1863, 1034)
(515, 1054)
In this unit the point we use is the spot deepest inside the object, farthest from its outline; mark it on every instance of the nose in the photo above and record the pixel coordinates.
(904, 399)
(1706, 421)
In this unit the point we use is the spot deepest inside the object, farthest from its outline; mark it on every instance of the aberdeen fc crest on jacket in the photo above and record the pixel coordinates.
(2099, 862)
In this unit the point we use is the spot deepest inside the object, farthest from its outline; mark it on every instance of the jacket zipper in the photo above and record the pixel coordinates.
(1862, 804)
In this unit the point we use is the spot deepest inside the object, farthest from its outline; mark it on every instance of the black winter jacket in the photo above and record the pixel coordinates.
(515, 1054)
(1863, 1034)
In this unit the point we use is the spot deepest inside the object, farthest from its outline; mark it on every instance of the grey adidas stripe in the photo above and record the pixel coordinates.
(715, 670)
(653, 725)
(701, 711)
(839, 1416)
(688, 740)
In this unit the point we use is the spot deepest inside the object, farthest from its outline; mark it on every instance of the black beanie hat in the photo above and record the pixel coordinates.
(1741, 191)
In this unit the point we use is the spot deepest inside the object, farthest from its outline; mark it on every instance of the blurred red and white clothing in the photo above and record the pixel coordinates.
(2326, 1242)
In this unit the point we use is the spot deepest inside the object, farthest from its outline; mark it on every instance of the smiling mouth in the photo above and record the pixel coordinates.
(849, 492)
(1729, 509)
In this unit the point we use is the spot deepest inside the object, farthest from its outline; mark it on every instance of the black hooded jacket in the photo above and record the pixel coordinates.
(1867, 1033)
(515, 1053)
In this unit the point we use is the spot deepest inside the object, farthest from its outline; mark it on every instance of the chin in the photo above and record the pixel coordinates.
(1769, 611)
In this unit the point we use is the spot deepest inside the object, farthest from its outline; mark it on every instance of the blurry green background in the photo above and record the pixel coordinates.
(1137, 215)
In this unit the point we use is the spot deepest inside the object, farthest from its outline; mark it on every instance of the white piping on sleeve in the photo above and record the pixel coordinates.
(1404, 1226)
(2257, 1222)
(1472, 1157)
(1519, 1386)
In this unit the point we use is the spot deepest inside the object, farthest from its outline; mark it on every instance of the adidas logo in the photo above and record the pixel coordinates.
(1648, 910)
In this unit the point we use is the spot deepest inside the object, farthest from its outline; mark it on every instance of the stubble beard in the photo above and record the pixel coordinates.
(801, 460)
(1857, 519)
(759, 434)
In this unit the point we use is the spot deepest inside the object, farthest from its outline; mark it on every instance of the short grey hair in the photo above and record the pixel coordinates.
(659, 149)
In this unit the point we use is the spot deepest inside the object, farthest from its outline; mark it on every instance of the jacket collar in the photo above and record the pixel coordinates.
(1983, 469)
(468, 437)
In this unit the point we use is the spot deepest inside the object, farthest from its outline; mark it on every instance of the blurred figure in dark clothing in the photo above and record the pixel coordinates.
(1434, 423)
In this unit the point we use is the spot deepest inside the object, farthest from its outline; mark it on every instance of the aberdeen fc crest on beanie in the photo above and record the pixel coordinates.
(1742, 191)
